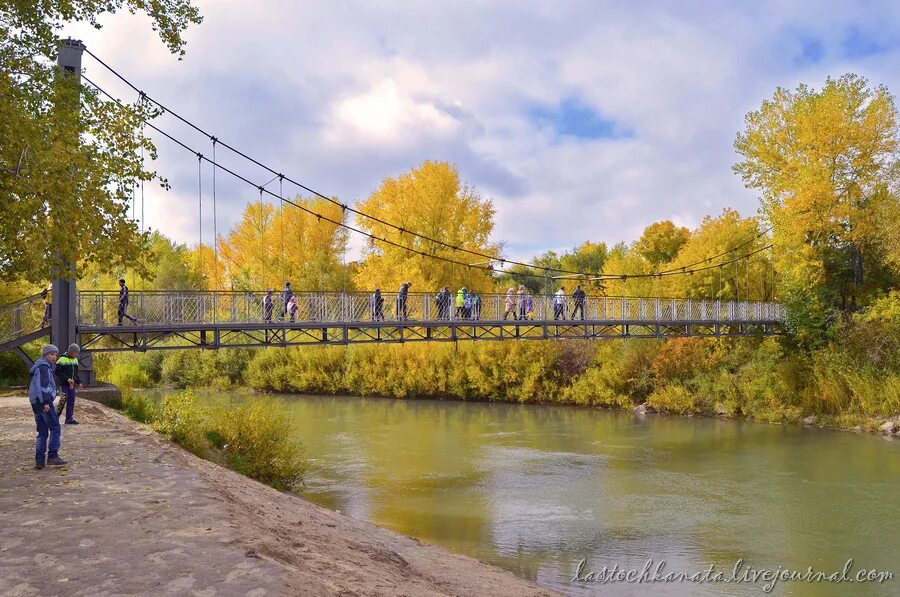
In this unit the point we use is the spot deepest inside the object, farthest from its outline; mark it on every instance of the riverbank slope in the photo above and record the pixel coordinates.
(135, 514)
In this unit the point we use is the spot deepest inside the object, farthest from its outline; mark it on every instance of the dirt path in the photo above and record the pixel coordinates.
(134, 514)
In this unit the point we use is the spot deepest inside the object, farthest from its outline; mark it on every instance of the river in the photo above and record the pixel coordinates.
(536, 489)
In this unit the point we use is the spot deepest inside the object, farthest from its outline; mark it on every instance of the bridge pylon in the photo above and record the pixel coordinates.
(62, 331)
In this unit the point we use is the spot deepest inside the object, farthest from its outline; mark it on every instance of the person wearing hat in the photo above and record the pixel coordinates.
(67, 379)
(41, 393)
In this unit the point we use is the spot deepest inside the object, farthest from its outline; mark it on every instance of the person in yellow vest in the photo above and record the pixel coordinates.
(67, 377)
(47, 295)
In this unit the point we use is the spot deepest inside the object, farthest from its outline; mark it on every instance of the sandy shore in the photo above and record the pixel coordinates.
(135, 514)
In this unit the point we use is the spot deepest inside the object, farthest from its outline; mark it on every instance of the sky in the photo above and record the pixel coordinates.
(579, 120)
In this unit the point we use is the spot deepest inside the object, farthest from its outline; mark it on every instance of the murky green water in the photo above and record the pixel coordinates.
(535, 489)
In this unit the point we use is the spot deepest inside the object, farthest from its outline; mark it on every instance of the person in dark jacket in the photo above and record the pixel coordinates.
(578, 299)
(123, 302)
(67, 380)
(268, 305)
(377, 306)
(41, 392)
(439, 302)
(402, 295)
(47, 295)
(286, 295)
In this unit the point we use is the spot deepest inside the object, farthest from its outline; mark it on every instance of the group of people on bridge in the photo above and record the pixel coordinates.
(465, 304)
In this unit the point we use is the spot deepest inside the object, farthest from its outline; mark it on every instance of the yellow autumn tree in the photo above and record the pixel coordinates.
(431, 201)
(727, 258)
(826, 164)
(661, 241)
(271, 245)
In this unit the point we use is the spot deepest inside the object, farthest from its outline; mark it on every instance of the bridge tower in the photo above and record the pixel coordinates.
(64, 286)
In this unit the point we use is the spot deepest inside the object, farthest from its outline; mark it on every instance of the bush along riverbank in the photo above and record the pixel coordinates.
(852, 381)
(245, 436)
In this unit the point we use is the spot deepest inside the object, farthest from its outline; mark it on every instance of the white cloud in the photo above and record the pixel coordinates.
(385, 113)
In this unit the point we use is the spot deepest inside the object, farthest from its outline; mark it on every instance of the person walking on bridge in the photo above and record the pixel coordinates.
(123, 302)
(47, 295)
(402, 297)
(293, 307)
(41, 392)
(476, 305)
(510, 304)
(377, 306)
(461, 303)
(521, 301)
(268, 306)
(286, 296)
(67, 379)
(559, 304)
(578, 298)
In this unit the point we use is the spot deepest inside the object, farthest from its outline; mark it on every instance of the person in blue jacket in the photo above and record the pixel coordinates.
(41, 393)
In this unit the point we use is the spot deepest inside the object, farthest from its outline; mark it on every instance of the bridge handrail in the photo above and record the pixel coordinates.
(386, 293)
(20, 301)
(98, 308)
(21, 318)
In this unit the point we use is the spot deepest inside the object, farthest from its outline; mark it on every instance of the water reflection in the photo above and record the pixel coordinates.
(535, 489)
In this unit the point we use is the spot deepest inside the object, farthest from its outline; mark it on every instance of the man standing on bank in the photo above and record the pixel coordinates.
(123, 302)
(41, 393)
(67, 379)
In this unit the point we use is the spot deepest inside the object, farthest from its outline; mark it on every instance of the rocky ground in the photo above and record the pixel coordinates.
(134, 514)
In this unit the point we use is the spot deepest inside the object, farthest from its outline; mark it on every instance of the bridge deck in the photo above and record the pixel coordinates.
(183, 319)
(213, 320)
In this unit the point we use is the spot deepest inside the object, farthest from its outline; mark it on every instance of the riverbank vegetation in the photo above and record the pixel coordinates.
(247, 436)
(851, 380)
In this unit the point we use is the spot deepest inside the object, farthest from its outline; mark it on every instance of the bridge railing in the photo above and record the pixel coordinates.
(21, 318)
(167, 308)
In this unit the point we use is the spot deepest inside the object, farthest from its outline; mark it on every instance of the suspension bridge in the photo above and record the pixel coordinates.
(185, 319)
(180, 319)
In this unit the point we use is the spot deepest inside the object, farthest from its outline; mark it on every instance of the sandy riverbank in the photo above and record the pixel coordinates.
(135, 514)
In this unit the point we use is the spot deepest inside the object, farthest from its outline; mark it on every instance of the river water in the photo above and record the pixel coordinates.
(536, 489)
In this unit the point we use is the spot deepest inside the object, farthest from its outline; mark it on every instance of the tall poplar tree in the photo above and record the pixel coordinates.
(826, 162)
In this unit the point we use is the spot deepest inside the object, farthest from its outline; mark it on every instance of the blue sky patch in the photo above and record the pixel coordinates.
(572, 118)
(860, 44)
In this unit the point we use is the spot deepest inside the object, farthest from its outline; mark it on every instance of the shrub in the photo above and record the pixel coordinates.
(257, 442)
(183, 418)
(138, 406)
(128, 374)
(680, 359)
(673, 398)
